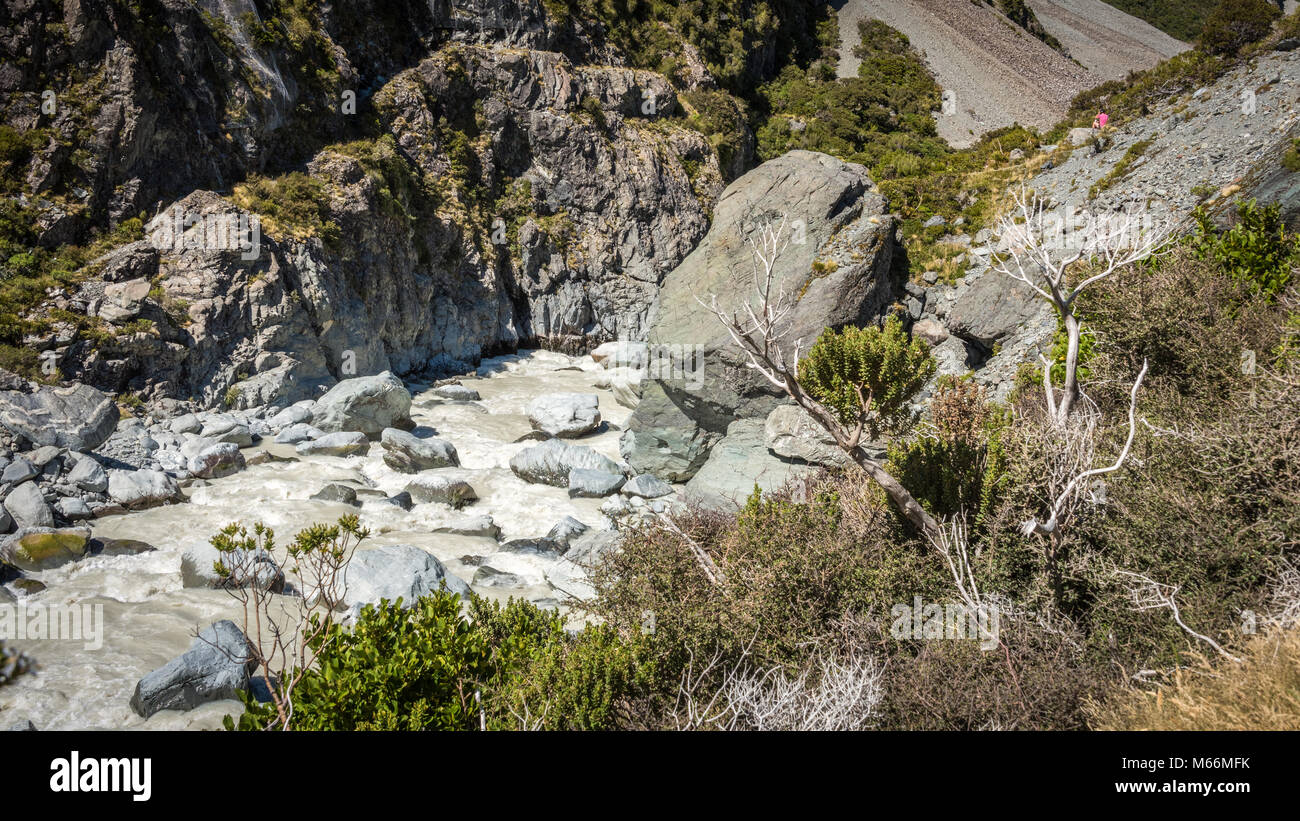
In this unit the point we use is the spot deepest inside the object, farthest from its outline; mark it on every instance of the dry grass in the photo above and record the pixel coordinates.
(1261, 693)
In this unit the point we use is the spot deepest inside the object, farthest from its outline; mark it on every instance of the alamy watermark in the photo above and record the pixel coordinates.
(960, 622)
(53, 622)
(176, 229)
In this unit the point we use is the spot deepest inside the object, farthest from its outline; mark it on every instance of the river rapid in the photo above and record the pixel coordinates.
(149, 618)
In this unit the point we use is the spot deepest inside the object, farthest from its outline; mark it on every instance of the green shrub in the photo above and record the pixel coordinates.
(1256, 251)
(880, 369)
(1235, 24)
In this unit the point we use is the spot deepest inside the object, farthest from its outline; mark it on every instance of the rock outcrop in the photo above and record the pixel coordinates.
(836, 268)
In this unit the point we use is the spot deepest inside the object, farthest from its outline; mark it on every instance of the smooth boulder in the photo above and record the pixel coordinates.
(550, 462)
(566, 415)
(342, 443)
(366, 403)
(217, 666)
(395, 571)
(78, 418)
(407, 453)
(449, 490)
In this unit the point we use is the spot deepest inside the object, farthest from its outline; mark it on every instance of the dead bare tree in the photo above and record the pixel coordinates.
(759, 328)
(846, 696)
(1040, 250)
(1148, 594)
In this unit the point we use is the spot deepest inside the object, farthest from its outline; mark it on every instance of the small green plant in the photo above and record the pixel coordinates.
(231, 398)
(1291, 159)
(868, 374)
(1256, 250)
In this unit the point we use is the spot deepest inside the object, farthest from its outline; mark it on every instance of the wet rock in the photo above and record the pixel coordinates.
(538, 545)
(551, 462)
(216, 667)
(487, 576)
(367, 404)
(407, 453)
(72, 508)
(402, 500)
(343, 443)
(565, 531)
(471, 526)
(297, 433)
(335, 492)
(78, 418)
(139, 489)
(119, 547)
(33, 550)
(593, 483)
(245, 568)
(448, 490)
(458, 393)
(566, 415)
(216, 461)
(19, 471)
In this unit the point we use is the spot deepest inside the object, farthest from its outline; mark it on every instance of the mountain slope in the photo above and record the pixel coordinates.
(1107, 41)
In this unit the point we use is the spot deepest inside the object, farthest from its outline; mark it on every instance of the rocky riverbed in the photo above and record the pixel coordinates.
(506, 532)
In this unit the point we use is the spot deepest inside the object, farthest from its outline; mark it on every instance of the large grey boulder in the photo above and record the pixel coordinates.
(367, 404)
(41, 548)
(27, 506)
(550, 462)
(736, 464)
(297, 433)
(216, 461)
(408, 453)
(992, 308)
(123, 300)
(833, 217)
(78, 418)
(791, 433)
(567, 415)
(647, 486)
(138, 489)
(342, 443)
(449, 490)
(217, 666)
(18, 471)
(395, 571)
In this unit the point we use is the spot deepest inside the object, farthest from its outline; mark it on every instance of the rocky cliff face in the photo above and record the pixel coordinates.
(458, 198)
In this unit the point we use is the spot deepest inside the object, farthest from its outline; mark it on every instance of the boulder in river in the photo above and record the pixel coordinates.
(408, 453)
(566, 415)
(449, 490)
(551, 462)
(342, 443)
(647, 486)
(27, 506)
(217, 666)
(366, 403)
(395, 571)
(139, 489)
(585, 483)
(36, 549)
(216, 461)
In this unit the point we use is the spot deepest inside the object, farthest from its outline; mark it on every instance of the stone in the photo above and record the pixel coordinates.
(790, 432)
(566, 415)
(335, 492)
(216, 461)
(217, 666)
(448, 490)
(647, 486)
(395, 572)
(18, 471)
(119, 547)
(27, 507)
(584, 483)
(1079, 136)
(456, 393)
(930, 330)
(993, 308)
(186, 423)
(847, 236)
(78, 418)
(551, 462)
(481, 525)
(123, 300)
(407, 453)
(565, 531)
(88, 475)
(139, 489)
(37, 549)
(72, 508)
(367, 404)
(342, 443)
(487, 576)
(297, 433)
(736, 465)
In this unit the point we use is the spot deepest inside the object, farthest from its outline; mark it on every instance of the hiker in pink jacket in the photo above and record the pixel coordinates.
(1099, 122)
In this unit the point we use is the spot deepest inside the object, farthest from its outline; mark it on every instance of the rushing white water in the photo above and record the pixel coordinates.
(149, 618)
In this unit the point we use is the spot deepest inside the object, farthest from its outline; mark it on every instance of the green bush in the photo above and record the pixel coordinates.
(1256, 250)
(1235, 24)
(855, 369)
